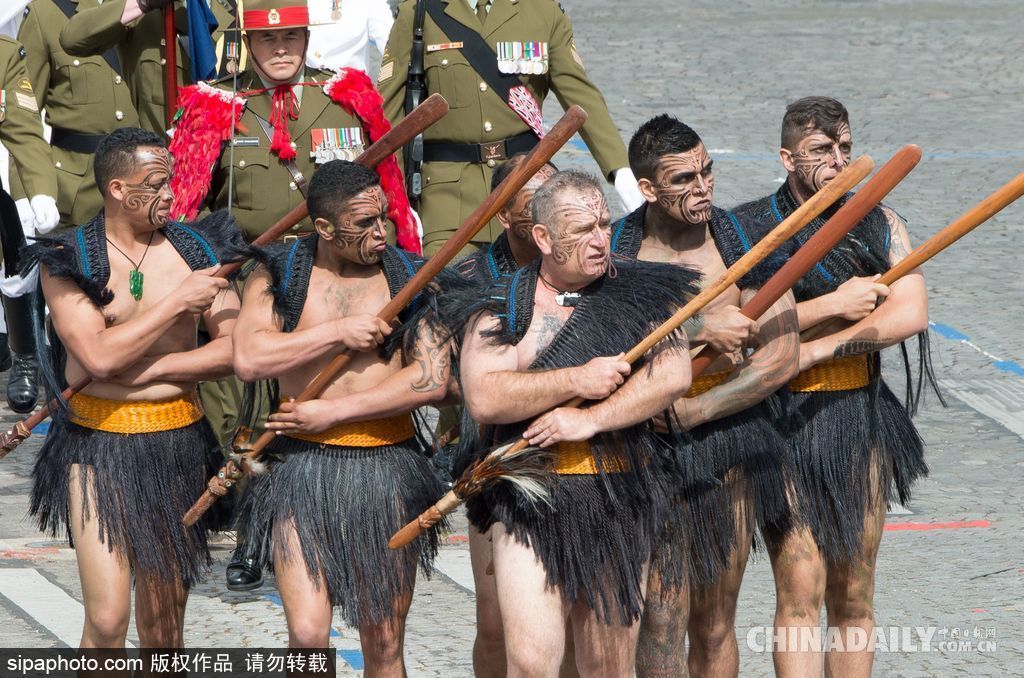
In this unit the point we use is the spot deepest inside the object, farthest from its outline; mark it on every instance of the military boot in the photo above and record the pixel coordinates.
(22, 382)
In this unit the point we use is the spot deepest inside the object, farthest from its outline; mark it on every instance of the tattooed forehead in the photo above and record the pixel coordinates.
(369, 201)
(153, 158)
(816, 135)
(689, 162)
(582, 208)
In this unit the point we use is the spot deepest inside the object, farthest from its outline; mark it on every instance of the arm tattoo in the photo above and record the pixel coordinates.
(433, 357)
(858, 346)
(898, 246)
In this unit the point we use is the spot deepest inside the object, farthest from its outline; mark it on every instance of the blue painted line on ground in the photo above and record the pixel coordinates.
(577, 143)
(353, 658)
(41, 429)
(1009, 366)
(948, 332)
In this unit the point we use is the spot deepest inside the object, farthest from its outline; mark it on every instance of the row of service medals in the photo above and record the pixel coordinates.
(345, 143)
(522, 58)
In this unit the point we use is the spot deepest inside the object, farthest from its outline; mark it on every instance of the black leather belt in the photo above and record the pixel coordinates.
(75, 141)
(479, 153)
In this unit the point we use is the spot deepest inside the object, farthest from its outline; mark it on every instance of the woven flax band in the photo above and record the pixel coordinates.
(577, 459)
(372, 433)
(135, 416)
(706, 382)
(842, 374)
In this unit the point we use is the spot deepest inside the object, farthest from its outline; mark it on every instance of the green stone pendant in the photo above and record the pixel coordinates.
(135, 283)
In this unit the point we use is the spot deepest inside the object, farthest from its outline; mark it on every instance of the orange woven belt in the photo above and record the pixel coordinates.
(706, 382)
(371, 433)
(842, 374)
(135, 416)
(577, 459)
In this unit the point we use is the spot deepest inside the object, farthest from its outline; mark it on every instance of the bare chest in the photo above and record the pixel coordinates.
(140, 284)
(548, 320)
(331, 297)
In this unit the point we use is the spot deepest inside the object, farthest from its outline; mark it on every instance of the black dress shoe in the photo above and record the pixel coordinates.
(243, 574)
(22, 391)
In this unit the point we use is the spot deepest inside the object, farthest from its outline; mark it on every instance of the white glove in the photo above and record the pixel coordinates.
(47, 214)
(625, 185)
(27, 216)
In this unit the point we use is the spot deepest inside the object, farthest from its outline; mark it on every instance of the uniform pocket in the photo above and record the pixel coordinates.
(250, 176)
(85, 81)
(71, 169)
(448, 73)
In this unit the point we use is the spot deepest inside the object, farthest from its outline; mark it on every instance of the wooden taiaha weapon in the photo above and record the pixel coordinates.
(563, 130)
(430, 111)
(820, 201)
(1007, 194)
(818, 245)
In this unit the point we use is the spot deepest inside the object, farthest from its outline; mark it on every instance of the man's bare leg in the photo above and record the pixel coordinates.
(532, 614)
(603, 650)
(661, 645)
(799, 592)
(307, 607)
(849, 601)
(489, 646)
(159, 611)
(712, 626)
(105, 575)
(383, 644)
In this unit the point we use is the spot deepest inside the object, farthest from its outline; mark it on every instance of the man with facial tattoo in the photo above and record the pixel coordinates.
(132, 451)
(854, 449)
(693, 587)
(346, 470)
(554, 330)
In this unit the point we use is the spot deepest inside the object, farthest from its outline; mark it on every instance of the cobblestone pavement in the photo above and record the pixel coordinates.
(944, 75)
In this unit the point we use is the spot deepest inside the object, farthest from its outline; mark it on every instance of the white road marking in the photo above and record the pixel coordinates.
(48, 604)
(999, 401)
(455, 564)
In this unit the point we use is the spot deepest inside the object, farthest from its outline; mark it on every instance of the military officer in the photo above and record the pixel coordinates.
(529, 50)
(21, 132)
(136, 29)
(287, 102)
(85, 98)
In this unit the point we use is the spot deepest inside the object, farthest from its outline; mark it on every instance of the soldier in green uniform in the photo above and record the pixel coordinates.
(136, 29)
(527, 48)
(85, 99)
(289, 124)
(21, 132)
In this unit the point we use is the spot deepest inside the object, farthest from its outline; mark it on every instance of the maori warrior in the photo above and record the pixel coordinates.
(132, 450)
(534, 341)
(854, 449)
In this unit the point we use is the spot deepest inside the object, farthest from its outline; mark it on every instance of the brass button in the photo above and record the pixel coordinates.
(57, 164)
(163, 42)
(117, 79)
(491, 163)
(295, 227)
(119, 115)
(163, 61)
(488, 126)
(444, 62)
(291, 185)
(483, 86)
(241, 163)
(294, 145)
(76, 62)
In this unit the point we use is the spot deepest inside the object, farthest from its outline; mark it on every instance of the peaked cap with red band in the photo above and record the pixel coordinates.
(272, 15)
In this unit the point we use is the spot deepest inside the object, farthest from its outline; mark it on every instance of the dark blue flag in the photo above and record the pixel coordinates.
(201, 51)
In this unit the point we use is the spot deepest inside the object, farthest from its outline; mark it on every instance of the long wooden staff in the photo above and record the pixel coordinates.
(818, 245)
(970, 220)
(422, 117)
(537, 158)
(468, 484)
(171, 65)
